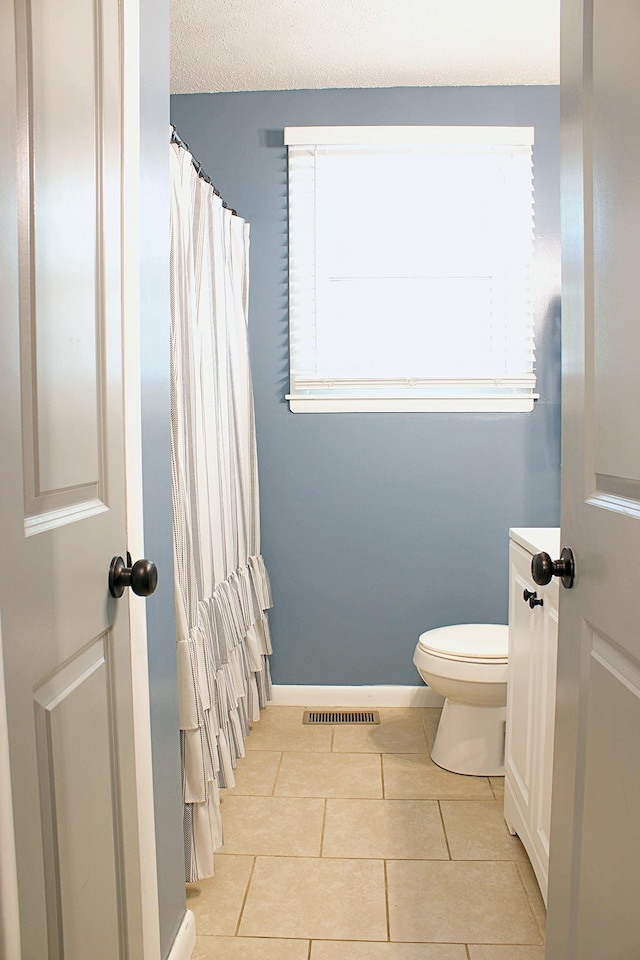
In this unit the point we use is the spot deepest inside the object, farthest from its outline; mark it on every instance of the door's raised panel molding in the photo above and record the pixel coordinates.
(81, 837)
(67, 268)
(617, 494)
(376, 695)
(617, 663)
(42, 523)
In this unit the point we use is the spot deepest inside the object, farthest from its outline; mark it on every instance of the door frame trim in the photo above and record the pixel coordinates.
(131, 374)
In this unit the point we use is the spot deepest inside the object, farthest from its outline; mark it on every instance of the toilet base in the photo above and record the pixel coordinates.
(470, 739)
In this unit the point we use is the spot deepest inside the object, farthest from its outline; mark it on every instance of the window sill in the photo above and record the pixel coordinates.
(306, 404)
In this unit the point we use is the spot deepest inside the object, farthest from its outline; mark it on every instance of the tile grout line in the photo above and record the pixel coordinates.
(275, 781)
(444, 829)
(244, 899)
(386, 900)
(363, 859)
(385, 865)
(467, 951)
(324, 821)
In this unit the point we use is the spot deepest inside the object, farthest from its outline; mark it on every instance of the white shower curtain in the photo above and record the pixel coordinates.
(222, 587)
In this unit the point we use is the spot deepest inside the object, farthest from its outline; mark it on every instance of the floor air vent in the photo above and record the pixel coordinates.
(341, 716)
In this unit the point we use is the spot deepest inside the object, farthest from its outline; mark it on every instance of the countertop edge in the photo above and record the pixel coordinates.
(537, 539)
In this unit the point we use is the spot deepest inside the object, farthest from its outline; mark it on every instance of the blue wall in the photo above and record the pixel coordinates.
(376, 527)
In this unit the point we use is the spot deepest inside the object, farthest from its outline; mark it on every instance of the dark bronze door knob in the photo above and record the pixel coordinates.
(141, 576)
(543, 568)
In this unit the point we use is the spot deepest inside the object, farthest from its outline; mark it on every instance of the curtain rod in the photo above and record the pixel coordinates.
(177, 139)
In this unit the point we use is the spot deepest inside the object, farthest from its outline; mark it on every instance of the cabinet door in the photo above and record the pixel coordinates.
(519, 758)
(546, 654)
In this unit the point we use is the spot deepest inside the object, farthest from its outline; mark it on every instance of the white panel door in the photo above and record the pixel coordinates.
(595, 832)
(65, 640)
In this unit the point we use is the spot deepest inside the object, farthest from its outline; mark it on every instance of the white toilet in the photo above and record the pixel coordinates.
(467, 664)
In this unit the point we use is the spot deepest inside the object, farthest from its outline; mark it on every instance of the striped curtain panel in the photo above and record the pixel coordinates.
(222, 587)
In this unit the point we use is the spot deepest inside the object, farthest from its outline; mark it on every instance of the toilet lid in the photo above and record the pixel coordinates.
(469, 641)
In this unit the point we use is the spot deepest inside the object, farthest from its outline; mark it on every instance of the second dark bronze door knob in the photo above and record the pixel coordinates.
(543, 568)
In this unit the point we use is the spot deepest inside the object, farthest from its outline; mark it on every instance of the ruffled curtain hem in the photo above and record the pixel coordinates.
(224, 681)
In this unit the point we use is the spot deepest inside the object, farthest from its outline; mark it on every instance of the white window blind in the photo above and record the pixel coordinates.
(410, 260)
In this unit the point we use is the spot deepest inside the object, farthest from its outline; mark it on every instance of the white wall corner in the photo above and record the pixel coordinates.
(185, 940)
(378, 695)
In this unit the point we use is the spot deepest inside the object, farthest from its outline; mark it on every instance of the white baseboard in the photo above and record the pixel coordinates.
(185, 939)
(291, 695)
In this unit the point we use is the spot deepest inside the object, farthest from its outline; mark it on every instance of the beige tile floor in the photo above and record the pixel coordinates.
(349, 843)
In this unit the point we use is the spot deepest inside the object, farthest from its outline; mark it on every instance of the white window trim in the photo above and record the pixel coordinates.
(457, 396)
(298, 403)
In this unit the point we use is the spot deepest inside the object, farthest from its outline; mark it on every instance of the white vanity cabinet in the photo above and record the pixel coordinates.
(531, 691)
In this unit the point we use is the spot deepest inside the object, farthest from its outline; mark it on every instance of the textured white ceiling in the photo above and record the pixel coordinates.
(221, 45)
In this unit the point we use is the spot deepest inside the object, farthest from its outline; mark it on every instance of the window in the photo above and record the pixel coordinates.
(410, 260)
